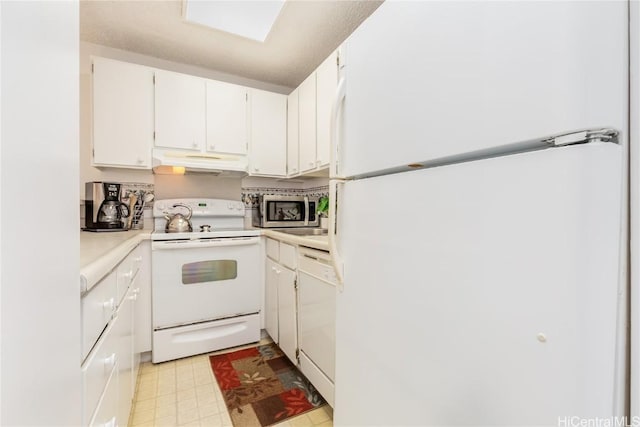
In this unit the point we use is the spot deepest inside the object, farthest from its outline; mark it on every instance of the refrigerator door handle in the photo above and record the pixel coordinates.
(336, 259)
(333, 127)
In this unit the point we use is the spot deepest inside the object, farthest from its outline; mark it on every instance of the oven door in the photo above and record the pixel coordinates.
(201, 280)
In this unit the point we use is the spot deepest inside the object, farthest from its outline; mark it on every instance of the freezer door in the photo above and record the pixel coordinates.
(431, 79)
(481, 293)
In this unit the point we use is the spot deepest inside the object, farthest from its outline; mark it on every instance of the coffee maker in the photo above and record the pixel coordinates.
(103, 209)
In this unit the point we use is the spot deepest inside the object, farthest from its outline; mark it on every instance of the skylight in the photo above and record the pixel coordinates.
(250, 19)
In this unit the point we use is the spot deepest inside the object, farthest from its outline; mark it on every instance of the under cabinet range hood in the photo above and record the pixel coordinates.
(172, 162)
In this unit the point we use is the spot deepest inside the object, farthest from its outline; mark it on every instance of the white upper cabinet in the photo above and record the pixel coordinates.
(268, 142)
(180, 111)
(307, 123)
(122, 114)
(226, 118)
(292, 134)
(326, 84)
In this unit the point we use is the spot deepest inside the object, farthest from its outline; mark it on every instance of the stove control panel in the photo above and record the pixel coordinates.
(199, 207)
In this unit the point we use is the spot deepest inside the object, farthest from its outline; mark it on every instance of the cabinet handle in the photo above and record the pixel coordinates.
(138, 259)
(133, 297)
(274, 269)
(195, 145)
(312, 163)
(256, 169)
(136, 291)
(140, 161)
(212, 147)
(109, 304)
(110, 423)
(110, 361)
(128, 275)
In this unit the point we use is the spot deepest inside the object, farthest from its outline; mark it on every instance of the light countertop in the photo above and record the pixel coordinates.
(315, 242)
(101, 252)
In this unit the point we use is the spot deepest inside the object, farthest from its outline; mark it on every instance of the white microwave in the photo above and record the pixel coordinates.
(286, 211)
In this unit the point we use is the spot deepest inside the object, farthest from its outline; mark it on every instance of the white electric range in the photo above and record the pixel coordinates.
(205, 284)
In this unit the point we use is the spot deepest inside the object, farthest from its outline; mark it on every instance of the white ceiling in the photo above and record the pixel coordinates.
(303, 35)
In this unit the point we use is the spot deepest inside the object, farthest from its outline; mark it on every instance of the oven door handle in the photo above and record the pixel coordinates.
(185, 244)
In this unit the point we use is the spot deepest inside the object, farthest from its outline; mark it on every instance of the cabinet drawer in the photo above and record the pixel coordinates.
(273, 249)
(106, 413)
(126, 271)
(96, 371)
(96, 309)
(288, 255)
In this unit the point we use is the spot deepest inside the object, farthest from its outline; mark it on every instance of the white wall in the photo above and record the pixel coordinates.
(176, 186)
(40, 292)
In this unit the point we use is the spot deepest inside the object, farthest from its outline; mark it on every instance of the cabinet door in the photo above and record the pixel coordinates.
(122, 114)
(106, 413)
(268, 133)
(292, 133)
(226, 118)
(180, 111)
(271, 300)
(142, 285)
(326, 84)
(124, 331)
(307, 123)
(287, 329)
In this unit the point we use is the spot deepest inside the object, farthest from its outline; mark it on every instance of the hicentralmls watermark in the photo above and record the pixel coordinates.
(573, 421)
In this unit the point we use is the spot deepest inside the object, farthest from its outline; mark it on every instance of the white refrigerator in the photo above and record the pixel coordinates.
(478, 211)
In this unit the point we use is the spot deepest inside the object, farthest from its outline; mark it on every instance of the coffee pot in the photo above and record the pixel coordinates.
(103, 209)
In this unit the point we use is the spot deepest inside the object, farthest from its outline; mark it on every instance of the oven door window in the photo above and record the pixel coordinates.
(285, 211)
(209, 271)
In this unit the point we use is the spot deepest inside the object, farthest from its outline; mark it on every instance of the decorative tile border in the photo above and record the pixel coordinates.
(139, 188)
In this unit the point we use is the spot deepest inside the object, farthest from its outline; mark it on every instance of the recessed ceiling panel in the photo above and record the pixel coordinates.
(250, 19)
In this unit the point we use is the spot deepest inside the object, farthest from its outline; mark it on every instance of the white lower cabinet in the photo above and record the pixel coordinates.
(142, 312)
(105, 414)
(124, 336)
(317, 320)
(97, 371)
(271, 299)
(280, 298)
(110, 369)
(287, 316)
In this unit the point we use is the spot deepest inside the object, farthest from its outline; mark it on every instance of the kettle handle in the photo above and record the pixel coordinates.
(188, 217)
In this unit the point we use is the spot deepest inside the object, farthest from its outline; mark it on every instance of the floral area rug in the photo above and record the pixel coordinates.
(262, 387)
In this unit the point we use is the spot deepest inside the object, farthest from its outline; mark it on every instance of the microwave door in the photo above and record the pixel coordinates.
(306, 211)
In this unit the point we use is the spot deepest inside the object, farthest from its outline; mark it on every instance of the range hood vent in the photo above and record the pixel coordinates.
(171, 162)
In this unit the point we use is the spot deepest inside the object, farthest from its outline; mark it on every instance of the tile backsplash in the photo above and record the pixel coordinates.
(250, 195)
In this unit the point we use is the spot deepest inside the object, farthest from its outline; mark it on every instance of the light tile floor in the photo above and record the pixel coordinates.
(185, 393)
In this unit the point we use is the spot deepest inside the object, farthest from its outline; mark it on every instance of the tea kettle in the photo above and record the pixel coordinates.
(178, 223)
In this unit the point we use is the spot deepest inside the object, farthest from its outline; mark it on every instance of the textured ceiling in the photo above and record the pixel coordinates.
(303, 35)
